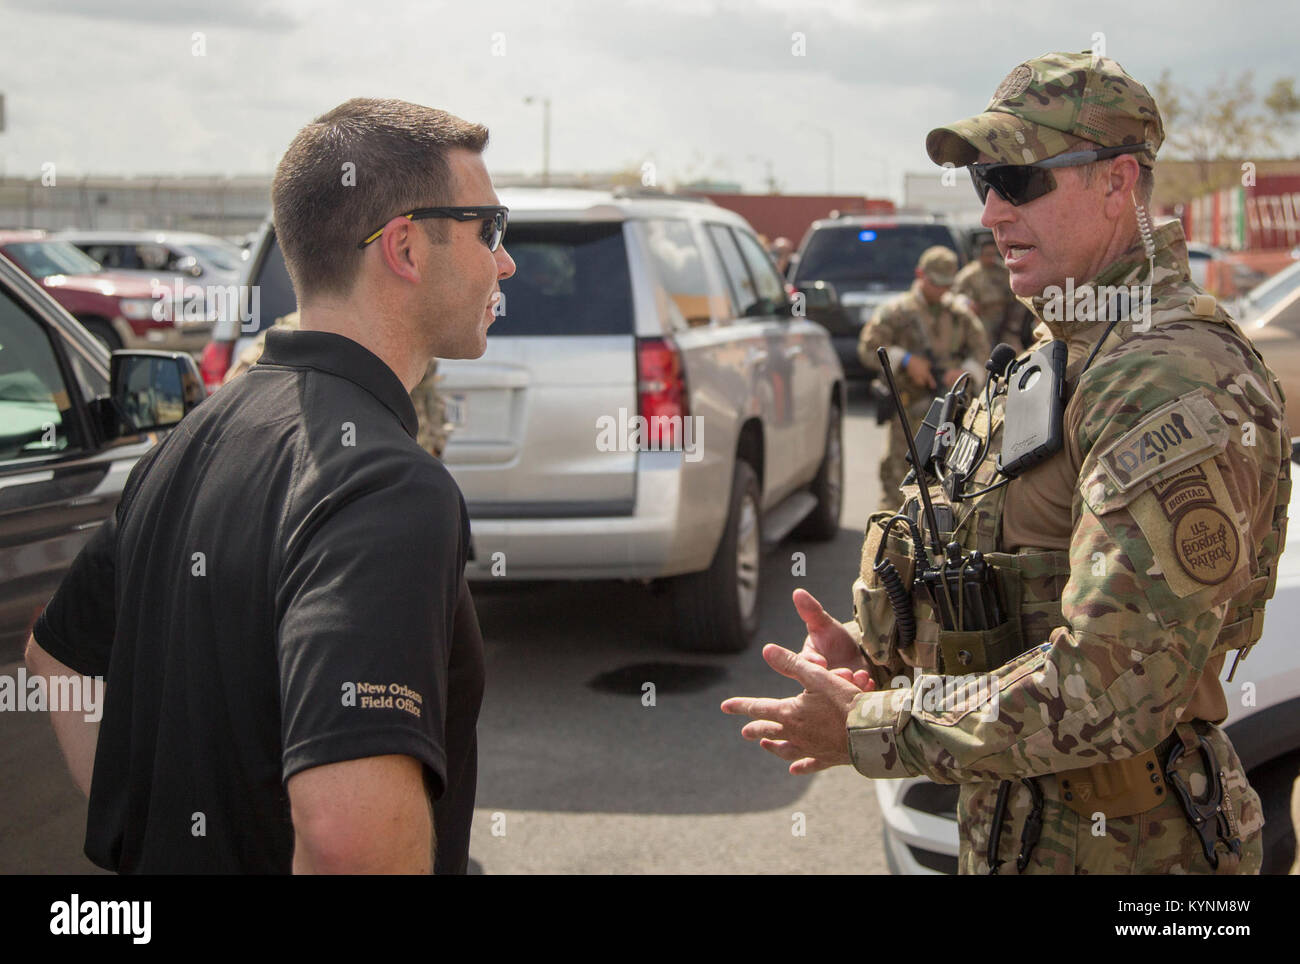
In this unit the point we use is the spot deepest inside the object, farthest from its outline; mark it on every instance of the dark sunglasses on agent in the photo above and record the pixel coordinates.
(1021, 183)
(494, 218)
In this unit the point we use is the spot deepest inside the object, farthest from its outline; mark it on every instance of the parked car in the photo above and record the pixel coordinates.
(920, 817)
(850, 265)
(1266, 295)
(65, 451)
(624, 309)
(193, 257)
(121, 310)
(1276, 333)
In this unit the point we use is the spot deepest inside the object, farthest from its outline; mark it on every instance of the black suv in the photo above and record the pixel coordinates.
(850, 265)
(73, 422)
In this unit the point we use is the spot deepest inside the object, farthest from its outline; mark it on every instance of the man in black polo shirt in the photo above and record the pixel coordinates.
(292, 662)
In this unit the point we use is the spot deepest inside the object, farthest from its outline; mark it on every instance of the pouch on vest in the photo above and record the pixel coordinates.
(872, 610)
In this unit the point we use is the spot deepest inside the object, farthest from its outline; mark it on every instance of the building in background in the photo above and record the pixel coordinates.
(226, 207)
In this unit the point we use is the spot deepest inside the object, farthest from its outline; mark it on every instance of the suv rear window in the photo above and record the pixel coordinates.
(570, 279)
(275, 295)
(881, 253)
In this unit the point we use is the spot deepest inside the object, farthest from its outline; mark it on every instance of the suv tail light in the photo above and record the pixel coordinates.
(215, 362)
(661, 392)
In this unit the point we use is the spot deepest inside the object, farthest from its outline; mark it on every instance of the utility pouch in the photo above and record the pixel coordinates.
(978, 651)
(873, 611)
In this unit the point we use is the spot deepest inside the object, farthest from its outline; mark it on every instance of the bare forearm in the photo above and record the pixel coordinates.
(76, 728)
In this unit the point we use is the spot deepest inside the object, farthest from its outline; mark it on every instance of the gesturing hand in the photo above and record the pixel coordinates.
(809, 729)
(828, 643)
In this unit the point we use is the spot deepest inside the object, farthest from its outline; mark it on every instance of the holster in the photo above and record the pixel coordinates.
(1117, 788)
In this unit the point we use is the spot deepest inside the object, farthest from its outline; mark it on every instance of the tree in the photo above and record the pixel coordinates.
(1227, 121)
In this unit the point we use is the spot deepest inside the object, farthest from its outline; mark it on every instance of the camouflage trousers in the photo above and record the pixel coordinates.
(893, 464)
(1160, 841)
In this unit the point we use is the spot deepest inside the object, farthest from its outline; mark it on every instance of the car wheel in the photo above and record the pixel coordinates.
(103, 331)
(717, 610)
(823, 523)
(1274, 782)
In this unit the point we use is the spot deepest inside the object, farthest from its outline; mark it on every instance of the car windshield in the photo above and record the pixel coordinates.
(41, 259)
(877, 253)
(1273, 291)
(227, 257)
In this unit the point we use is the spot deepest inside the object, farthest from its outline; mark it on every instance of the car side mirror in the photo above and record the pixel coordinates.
(148, 390)
(190, 265)
(819, 295)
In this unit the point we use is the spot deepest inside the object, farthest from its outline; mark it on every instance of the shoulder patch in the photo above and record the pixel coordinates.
(1189, 523)
(1206, 545)
(1177, 434)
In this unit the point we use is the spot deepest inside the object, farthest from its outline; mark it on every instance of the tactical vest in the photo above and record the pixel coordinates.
(1030, 582)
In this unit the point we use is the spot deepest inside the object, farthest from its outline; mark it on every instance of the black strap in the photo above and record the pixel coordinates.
(1033, 828)
(995, 832)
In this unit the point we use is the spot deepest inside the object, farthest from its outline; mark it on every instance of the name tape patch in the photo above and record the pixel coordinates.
(1175, 433)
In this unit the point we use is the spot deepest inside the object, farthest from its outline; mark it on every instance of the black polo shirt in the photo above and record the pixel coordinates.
(281, 587)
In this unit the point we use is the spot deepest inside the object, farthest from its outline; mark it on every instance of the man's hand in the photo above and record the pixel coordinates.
(810, 729)
(828, 643)
(950, 376)
(918, 370)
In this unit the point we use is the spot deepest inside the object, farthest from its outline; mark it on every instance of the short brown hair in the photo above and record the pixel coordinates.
(322, 207)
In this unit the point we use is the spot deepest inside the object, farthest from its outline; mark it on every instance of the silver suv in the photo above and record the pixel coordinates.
(649, 406)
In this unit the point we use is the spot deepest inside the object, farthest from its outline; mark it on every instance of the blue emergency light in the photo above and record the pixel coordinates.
(866, 235)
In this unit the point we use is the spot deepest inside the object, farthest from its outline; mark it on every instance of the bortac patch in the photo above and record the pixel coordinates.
(1183, 490)
(1206, 544)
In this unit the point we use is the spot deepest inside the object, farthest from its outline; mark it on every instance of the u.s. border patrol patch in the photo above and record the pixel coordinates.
(1206, 544)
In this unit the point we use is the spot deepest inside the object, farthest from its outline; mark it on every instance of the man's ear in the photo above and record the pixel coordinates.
(1121, 181)
(396, 248)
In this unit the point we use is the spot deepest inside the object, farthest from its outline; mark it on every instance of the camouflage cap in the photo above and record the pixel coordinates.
(1047, 106)
(939, 264)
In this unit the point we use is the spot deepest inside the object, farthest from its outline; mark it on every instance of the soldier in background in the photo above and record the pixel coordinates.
(782, 252)
(987, 284)
(931, 338)
(430, 406)
(1133, 560)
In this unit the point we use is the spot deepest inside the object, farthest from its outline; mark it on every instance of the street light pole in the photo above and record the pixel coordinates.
(830, 154)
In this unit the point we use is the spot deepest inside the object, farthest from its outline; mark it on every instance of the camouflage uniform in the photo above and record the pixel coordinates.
(989, 291)
(430, 406)
(948, 332)
(1162, 526)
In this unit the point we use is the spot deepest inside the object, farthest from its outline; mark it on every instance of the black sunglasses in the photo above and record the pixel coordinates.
(494, 218)
(1021, 183)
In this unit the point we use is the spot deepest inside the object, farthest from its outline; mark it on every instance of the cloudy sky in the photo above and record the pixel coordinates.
(700, 88)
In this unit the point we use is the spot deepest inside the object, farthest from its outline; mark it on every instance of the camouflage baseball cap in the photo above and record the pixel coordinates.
(939, 264)
(1047, 106)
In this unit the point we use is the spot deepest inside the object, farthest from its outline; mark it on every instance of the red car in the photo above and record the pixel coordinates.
(122, 311)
